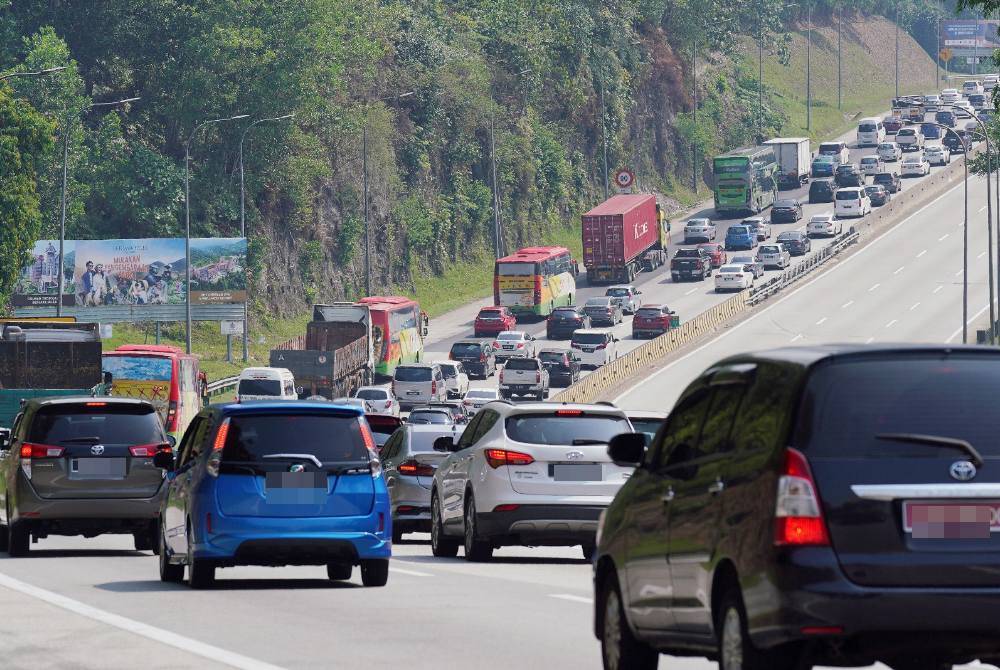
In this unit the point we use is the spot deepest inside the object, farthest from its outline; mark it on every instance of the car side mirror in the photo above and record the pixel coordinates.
(627, 449)
(164, 460)
(172, 441)
(444, 444)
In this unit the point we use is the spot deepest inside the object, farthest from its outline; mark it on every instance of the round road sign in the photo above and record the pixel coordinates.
(624, 178)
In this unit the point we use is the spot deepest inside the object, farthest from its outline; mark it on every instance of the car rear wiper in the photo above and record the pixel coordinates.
(935, 441)
(296, 457)
(81, 439)
(579, 442)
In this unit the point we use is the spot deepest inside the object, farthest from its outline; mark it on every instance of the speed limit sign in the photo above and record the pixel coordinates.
(624, 178)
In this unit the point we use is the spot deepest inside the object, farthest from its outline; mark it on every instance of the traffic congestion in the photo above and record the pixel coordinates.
(790, 511)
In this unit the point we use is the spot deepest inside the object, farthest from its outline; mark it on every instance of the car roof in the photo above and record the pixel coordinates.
(75, 400)
(645, 414)
(512, 332)
(373, 388)
(809, 356)
(426, 408)
(651, 305)
(445, 362)
(597, 299)
(507, 408)
(791, 233)
(416, 365)
(738, 266)
(288, 407)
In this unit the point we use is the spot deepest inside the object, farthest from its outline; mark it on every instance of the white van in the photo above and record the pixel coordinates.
(594, 348)
(871, 132)
(418, 384)
(266, 384)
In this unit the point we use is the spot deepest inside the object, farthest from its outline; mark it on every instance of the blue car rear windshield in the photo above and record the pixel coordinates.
(329, 437)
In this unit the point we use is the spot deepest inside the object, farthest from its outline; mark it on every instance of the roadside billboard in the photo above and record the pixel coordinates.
(141, 272)
(964, 37)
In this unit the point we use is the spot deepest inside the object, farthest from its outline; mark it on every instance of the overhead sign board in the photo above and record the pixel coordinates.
(965, 38)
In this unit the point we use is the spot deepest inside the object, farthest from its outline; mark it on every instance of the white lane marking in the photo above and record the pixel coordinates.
(571, 598)
(821, 321)
(980, 255)
(797, 337)
(959, 273)
(971, 319)
(847, 304)
(891, 323)
(982, 209)
(153, 633)
(411, 573)
(943, 237)
(921, 253)
(869, 340)
(874, 286)
(940, 286)
(915, 305)
(691, 291)
(899, 269)
(794, 292)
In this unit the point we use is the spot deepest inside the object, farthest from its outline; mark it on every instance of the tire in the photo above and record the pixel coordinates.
(441, 545)
(476, 549)
(19, 540)
(144, 540)
(375, 572)
(735, 649)
(4, 537)
(170, 573)
(339, 572)
(619, 648)
(201, 574)
(397, 535)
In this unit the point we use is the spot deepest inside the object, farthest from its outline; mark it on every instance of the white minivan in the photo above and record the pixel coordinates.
(594, 348)
(418, 384)
(871, 132)
(266, 384)
(852, 202)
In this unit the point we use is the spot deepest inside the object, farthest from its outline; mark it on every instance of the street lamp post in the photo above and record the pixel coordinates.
(243, 227)
(897, 48)
(67, 129)
(187, 220)
(840, 26)
(809, 39)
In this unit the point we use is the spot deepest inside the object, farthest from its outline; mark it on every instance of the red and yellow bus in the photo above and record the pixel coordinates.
(163, 375)
(398, 330)
(535, 280)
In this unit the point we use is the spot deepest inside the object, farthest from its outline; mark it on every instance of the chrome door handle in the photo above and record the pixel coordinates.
(668, 496)
(716, 487)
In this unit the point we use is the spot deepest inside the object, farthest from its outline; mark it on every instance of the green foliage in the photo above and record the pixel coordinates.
(351, 230)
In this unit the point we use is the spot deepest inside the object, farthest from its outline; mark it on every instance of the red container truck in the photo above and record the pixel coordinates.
(621, 237)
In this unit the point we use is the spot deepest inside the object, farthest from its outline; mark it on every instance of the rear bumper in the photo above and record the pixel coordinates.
(29, 506)
(475, 367)
(561, 332)
(648, 332)
(541, 525)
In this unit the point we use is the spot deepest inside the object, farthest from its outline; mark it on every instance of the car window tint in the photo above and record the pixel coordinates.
(404, 374)
(765, 410)
(100, 424)
(521, 364)
(194, 437)
(259, 387)
(680, 439)
(465, 349)
(716, 435)
(470, 430)
(332, 438)
(489, 419)
(372, 394)
(564, 430)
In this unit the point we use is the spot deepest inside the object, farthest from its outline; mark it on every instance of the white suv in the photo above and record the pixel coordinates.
(594, 348)
(532, 474)
(418, 384)
(455, 377)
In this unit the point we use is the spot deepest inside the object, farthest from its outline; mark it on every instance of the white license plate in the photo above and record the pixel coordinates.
(952, 519)
(578, 472)
(97, 468)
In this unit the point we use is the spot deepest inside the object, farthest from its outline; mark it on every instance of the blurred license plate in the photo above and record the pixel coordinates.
(295, 488)
(578, 472)
(97, 468)
(951, 520)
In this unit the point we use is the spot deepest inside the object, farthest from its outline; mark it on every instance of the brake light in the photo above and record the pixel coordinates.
(798, 514)
(520, 346)
(172, 416)
(496, 345)
(366, 434)
(388, 404)
(569, 412)
(506, 508)
(538, 376)
(215, 458)
(148, 450)
(95, 404)
(29, 450)
(500, 457)
(482, 358)
(415, 469)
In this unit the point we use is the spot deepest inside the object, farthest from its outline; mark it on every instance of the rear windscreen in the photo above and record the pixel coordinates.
(588, 338)
(549, 357)
(489, 316)
(430, 417)
(847, 404)
(329, 437)
(465, 349)
(649, 313)
(413, 374)
(847, 195)
(565, 430)
(521, 364)
(371, 394)
(867, 128)
(449, 371)
(97, 424)
(259, 387)
(424, 440)
(566, 313)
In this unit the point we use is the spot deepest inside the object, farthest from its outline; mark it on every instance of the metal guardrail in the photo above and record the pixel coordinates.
(220, 386)
(761, 293)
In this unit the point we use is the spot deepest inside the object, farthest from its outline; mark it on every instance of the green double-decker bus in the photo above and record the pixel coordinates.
(745, 180)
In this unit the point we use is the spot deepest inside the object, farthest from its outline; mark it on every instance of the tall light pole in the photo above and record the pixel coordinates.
(67, 129)
(760, 73)
(187, 219)
(840, 49)
(35, 73)
(897, 48)
(243, 226)
(809, 39)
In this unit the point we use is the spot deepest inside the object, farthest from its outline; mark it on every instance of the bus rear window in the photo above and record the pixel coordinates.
(516, 269)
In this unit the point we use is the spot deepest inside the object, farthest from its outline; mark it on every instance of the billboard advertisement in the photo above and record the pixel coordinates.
(140, 272)
(965, 36)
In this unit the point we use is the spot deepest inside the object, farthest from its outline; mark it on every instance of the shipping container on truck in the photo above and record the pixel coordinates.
(338, 354)
(617, 236)
(794, 156)
(41, 359)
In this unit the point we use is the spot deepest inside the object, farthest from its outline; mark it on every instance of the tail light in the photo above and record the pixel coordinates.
(500, 457)
(496, 344)
(215, 459)
(521, 345)
(31, 451)
(600, 346)
(538, 376)
(373, 460)
(388, 404)
(415, 469)
(538, 289)
(501, 376)
(482, 358)
(148, 450)
(798, 516)
(172, 416)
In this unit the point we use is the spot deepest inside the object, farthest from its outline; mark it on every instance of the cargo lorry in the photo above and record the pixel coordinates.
(336, 357)
(40, 359)
(623, 236)
(794, 160)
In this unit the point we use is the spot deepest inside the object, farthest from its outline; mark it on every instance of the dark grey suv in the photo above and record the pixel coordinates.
(835, 506)
(82, 466)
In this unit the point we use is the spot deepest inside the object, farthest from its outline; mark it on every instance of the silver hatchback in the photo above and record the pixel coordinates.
(409, 462)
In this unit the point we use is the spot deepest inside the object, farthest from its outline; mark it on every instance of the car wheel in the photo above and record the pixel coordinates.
(375, 572)
(169, 572)
(441, 545)
(397, 535)
(19, 540)
(339, 572)
(620, 650)
(476, 549)
(143, 540)
(736, 650)
(201, 574)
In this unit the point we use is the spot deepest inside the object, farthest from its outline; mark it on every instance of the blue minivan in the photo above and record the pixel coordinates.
(945, 117)
(930, 131)
(740, 237)
(275, 483)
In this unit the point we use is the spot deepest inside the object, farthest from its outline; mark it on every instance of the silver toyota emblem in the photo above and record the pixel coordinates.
(97, 449)
(298, 467)
(963, 471)
(574, 455)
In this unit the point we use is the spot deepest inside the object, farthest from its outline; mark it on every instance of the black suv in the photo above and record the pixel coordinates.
(821, 190)
(957, 142)
(890, 180)
(690, 264)
(562, 364)
(477, 356)
(563, 321)
(832, 505)
(849, 175)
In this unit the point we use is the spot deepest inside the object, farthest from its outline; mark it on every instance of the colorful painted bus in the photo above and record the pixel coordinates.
(745, 180)
(535, 280)
(398, 330)
(163, 375)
